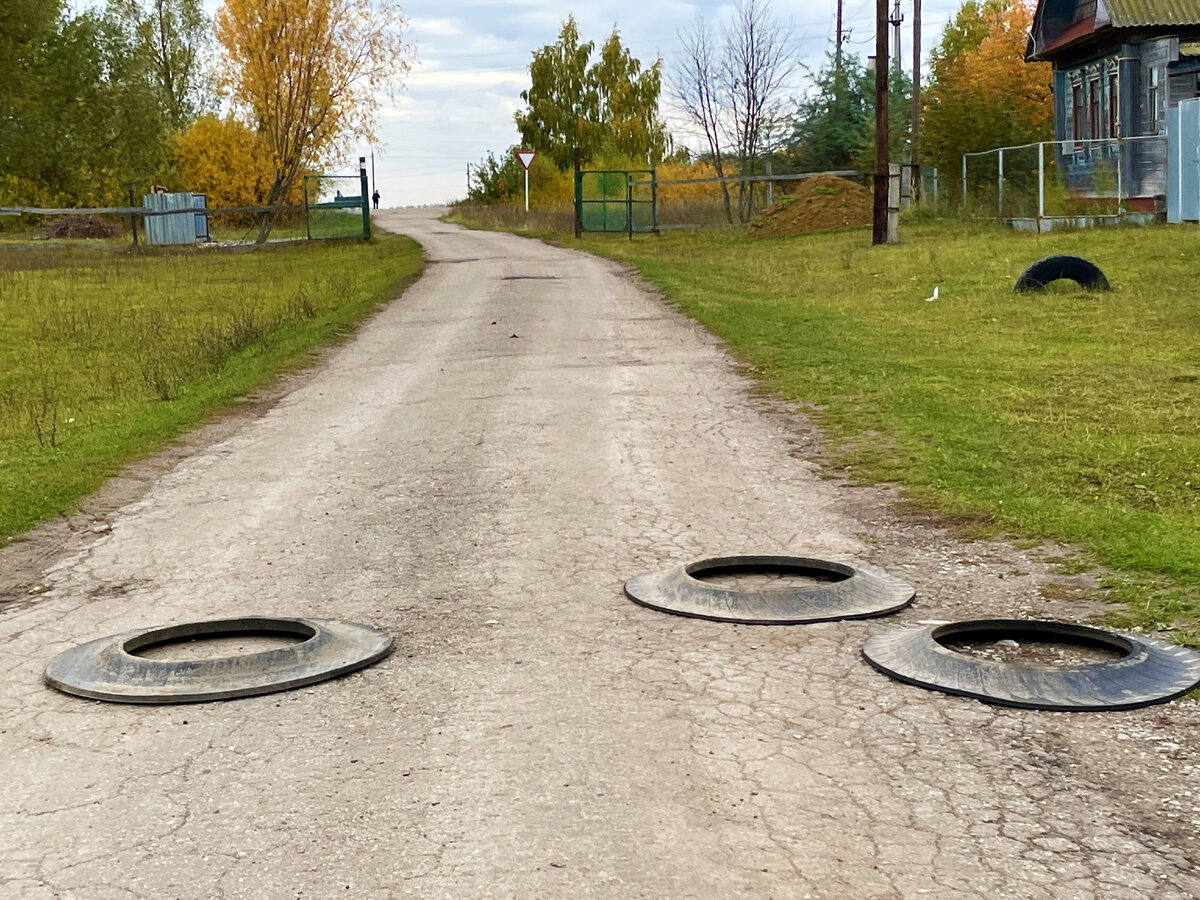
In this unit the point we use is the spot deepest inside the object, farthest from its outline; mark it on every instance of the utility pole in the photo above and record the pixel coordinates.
(372, 169)
(896, 20)
(837, 53)
(915, 172)
(880, 219)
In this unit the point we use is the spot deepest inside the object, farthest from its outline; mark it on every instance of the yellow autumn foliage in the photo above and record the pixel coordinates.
(690, 171)
(309, 75)
(227, 161)
(548, 187)
(983, 94)
(997, 71)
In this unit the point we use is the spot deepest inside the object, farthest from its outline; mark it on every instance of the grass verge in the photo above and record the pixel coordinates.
(1065, 415)
(105, 355)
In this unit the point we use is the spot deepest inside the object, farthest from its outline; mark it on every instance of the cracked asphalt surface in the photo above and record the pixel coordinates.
(478, 472)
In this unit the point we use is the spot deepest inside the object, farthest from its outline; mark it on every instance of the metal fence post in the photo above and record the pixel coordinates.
(893, 202)
(366, 206)
(578, 195)
(654, 198)
(1041, 183)
(1118, 176)
(629, 204)
(964, 191)
(1000, 184)
(307, 212)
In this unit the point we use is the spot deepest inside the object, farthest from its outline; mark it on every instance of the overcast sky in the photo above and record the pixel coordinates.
(472, 59)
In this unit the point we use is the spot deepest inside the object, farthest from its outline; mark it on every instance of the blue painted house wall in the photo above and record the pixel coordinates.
(1119, 67)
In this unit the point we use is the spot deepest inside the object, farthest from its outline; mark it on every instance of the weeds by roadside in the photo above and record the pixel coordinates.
(507, 217)
(103, 354)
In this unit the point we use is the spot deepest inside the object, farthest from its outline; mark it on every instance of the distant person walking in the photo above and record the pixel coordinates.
(375, 199)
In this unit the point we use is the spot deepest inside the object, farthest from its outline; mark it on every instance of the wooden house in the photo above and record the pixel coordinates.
(1119, 65)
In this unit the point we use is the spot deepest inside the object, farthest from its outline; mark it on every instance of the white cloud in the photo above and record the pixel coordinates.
(471, 80)
(442, 28)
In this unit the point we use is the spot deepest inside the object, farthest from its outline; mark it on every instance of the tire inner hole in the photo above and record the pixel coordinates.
(1034, 650)
(216, 646)
(766, 577)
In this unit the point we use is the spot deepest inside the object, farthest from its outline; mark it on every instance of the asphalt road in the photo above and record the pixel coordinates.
(478, 472)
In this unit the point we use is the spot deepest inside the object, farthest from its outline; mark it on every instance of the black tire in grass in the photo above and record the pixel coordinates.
(1052, 268)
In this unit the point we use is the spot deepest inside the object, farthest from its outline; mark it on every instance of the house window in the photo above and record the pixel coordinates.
(1094, 112)
(1153, 92)
(1114, 107)
(1077, 112)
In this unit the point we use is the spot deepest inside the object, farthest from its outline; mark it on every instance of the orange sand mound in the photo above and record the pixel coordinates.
(819, 204)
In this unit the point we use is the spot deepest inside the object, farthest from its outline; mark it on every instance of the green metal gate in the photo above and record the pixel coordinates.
(336, 206)
(616, 201)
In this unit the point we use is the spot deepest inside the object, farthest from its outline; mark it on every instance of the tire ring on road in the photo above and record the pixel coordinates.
(856, 595)
(108, 669)
(1151, 671)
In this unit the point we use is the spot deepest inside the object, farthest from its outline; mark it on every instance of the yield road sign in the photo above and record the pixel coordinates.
(526, 158)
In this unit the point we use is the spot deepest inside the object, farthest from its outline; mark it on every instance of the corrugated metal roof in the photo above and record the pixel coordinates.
(1134, 13)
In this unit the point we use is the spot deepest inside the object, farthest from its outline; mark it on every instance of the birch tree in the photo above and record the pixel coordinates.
(172, 36)
(79, 116)
(735, 95)
(760, 57)
(576, 104)
(307, 74)
(694, 84)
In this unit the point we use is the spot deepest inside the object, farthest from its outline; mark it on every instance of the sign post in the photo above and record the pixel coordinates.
(526, 158)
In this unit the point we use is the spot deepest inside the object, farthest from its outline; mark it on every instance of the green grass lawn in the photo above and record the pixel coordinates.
(1063, 415)
(106, 353)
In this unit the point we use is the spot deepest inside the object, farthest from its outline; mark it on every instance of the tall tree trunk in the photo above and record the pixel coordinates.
(270, 218)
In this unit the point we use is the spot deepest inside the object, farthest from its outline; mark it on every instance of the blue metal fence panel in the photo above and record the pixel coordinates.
(1173, 210)
(200, 201)
(1189, 160)
(1183, 162)
(179, 229)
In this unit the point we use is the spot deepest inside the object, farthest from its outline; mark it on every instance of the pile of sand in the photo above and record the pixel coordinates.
(819, 204)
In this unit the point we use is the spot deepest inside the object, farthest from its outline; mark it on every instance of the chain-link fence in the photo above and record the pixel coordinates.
(1063, 179)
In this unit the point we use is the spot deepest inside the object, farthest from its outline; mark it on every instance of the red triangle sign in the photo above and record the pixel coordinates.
(526, 157)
